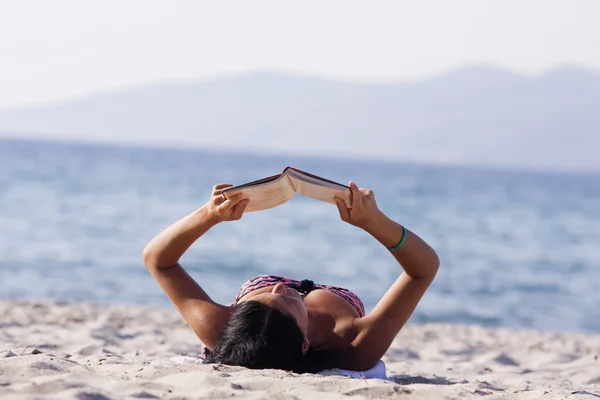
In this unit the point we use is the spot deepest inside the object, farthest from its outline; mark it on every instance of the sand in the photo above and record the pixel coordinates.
(52, 350)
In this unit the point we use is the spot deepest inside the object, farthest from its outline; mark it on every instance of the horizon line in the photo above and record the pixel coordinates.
(385, 159)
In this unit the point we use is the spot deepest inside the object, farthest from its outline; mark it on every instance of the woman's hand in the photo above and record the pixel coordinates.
(364, 207)
(221, 209)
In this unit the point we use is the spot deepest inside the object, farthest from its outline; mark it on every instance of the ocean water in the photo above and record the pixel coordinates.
(517, 249)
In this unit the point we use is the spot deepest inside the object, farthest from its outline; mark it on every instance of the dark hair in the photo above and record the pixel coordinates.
(260, 336)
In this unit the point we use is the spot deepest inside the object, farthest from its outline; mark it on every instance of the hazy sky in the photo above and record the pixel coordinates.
(55, 49)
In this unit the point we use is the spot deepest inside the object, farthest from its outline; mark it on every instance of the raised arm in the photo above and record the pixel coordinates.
(377, 330)
(162, 255)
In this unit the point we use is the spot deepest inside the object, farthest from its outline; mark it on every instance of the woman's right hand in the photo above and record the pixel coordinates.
(364, 209)
(221, 209)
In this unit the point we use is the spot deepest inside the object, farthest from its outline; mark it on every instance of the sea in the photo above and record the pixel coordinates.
(518, 249)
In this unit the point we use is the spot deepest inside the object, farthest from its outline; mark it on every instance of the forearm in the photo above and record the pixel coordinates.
(416, 257)
(167, 247)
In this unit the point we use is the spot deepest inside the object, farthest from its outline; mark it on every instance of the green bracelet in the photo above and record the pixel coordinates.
(402, 242)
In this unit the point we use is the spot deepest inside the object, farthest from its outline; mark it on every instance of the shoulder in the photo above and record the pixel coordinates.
(337, 335)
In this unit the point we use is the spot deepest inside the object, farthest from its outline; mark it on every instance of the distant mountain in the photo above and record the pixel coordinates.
(478, 115)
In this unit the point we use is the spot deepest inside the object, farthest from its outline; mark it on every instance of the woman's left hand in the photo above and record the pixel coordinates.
(221, 209)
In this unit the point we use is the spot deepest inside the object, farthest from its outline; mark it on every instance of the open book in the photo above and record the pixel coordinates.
(277, 189)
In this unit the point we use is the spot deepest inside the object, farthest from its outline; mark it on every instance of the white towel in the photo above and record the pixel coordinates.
(185, 360)
(377, 372)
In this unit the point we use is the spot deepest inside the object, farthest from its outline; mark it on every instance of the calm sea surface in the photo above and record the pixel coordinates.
(517, 249)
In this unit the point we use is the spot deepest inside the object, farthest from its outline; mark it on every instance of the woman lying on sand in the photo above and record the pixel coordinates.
(276, 322)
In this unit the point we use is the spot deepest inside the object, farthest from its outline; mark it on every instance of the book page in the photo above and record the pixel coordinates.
(262, 196)
(317, 191)
(317, 180)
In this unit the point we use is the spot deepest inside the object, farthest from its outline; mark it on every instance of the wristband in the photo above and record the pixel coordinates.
(402, 242)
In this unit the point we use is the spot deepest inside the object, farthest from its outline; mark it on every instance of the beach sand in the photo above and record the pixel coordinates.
(84, 351)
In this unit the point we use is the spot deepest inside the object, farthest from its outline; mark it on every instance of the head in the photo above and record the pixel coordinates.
(289, 302)
(269, 330)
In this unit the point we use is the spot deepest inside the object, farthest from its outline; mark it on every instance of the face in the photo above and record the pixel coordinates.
(286, 300)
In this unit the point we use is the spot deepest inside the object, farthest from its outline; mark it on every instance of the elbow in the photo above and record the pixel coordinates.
(431, 265)
(435, 264)
(155, 259)
(149, 257)
(435, 259)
